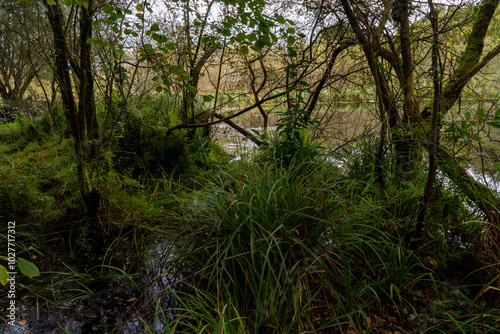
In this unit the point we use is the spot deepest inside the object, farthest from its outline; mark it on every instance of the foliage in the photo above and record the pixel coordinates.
(149, 149)
(274, 249)
(255, 230)
(292, 144)
(314, 246)
(292, 239)
(26, 268)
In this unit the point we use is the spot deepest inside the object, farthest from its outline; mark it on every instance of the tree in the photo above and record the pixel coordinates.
(408, 127)
(20, 31)
(180, 55)
(80, 115)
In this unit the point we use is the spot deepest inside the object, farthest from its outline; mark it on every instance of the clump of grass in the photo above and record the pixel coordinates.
(258, 232)
(270, 253)
(305, 248)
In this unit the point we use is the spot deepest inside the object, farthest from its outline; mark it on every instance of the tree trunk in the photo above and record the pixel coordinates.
(434, 135)
(74, 116)
(87, 102)
(479, 194)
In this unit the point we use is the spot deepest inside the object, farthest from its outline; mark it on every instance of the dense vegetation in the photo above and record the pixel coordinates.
(251, 166)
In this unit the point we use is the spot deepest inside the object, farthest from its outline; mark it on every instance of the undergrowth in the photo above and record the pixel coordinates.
(276, 250)
(289, 241)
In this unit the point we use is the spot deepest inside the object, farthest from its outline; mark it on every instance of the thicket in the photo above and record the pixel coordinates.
(291, 238)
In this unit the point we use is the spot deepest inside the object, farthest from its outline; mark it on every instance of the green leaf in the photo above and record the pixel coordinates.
(260, 44)
(159, 38)
(480, 113)
(280, 19)
(27, 268)
(108, 9)
(207, 98)
(4, 275)
(68, 2)
(192, 89)
(139, 8)
(51, 2)
(154, 27)
(177, 69)
(241, 37)
(170, 46)
(495, 125)
(158, 89)
(244, 50)
(291, 40)
(497, 113)
(467, 115)
(290, 31)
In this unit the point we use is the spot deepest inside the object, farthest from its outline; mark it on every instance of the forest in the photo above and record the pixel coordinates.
(249, 166)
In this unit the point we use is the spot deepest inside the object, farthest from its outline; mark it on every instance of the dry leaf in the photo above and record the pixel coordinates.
(26, 331)
(23, 322)
(131, 300)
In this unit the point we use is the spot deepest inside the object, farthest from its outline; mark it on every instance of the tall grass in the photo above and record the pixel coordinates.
(307, 248)
(269, 254)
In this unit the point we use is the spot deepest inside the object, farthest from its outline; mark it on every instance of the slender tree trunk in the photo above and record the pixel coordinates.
(87, 117)
(434, 135)
(87, 102)
(74, 116)
(407, 151)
